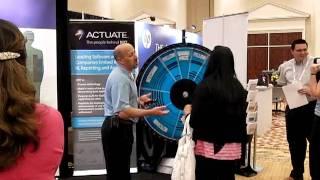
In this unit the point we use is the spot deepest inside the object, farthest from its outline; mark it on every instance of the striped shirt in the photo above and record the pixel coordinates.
(230, 151)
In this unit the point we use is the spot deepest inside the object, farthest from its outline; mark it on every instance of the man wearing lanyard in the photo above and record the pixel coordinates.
(298, 120)
(121, 111)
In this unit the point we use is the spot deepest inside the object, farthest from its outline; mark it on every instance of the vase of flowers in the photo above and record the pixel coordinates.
(274, 77)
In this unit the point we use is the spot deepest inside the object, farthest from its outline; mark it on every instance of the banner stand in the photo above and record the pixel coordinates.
(248, 171)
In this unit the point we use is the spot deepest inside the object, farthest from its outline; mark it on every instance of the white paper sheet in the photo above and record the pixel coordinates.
(251, 117)
(251, 96)
(251, 128)
(294, 99)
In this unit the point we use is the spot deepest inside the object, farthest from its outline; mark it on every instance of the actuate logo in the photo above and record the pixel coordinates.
(146, 39)
(106, 35)
(79, 34)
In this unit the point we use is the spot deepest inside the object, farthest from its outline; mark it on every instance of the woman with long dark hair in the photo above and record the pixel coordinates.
(31, 134)
(218, 118)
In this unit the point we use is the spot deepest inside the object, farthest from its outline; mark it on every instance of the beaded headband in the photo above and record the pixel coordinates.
(8, 56)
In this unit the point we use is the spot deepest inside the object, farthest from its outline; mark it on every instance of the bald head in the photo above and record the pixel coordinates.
(125, 55)
(121, 50)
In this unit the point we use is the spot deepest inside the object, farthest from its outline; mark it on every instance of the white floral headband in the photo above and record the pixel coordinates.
(8, 55)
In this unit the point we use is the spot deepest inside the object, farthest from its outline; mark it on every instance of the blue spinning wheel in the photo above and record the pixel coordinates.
(171, 75)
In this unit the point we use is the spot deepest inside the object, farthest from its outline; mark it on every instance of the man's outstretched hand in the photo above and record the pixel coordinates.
(145, 99)
(160, 110)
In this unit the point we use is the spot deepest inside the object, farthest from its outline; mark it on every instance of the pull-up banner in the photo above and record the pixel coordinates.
(40, 34)
(91, 59)
(231, 31)
(151, 38)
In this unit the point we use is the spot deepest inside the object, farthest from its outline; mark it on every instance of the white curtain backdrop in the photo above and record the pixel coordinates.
(230, 31)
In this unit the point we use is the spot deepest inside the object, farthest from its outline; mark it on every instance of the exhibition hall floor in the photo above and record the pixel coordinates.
(272, 157)
(273, 153)
(138, 176)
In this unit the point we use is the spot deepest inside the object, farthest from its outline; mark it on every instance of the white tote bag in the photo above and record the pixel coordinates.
(184, 162)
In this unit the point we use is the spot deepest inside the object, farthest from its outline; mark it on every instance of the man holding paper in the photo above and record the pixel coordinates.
(299, 114)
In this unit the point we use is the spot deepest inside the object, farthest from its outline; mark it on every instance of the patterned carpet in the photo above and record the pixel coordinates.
(272, 155)
(273, 145)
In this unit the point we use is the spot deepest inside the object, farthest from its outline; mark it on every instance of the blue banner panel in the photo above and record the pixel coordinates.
(91, 59)
(87, 122)
(30, 13)
(152, 38)
(36, 19)
(88, 95)
(92, 62)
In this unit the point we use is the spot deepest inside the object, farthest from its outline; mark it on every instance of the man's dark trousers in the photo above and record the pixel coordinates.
(298, 126)
(117, 146)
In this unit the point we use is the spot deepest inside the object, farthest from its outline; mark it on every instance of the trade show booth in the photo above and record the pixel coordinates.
(91, 60)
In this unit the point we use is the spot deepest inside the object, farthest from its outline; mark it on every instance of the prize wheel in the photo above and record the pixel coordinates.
(171, 76)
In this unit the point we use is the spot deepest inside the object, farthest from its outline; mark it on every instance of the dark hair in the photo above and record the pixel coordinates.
(18, 126)
(220, 62)
(298, 41)
(221, 76)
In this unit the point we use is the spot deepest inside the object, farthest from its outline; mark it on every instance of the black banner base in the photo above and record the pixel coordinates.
(246, 171)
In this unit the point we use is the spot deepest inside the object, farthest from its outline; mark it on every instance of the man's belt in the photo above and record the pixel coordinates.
(116, 121)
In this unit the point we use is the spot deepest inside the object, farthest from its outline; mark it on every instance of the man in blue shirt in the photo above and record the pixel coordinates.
(121, 111)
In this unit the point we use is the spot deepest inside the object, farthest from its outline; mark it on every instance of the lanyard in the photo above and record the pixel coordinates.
(294, 71)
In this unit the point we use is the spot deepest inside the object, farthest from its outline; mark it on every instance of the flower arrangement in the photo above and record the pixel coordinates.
(274, 77)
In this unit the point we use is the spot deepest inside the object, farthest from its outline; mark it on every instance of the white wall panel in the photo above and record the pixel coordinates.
(230, 31)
